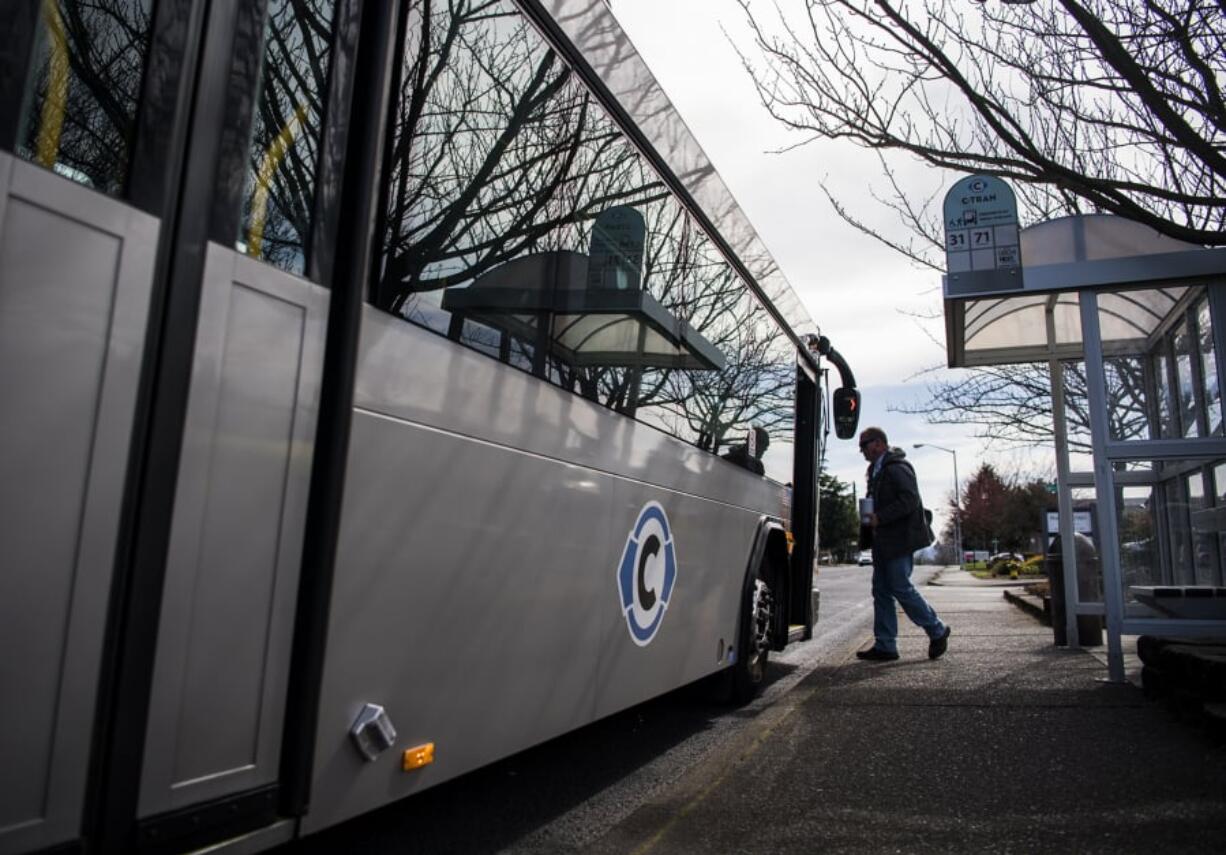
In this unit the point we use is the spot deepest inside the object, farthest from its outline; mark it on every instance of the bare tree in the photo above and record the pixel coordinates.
(285, 136)
(1011, 404)
(1083, 105)
(498, 151)
(1090, 105)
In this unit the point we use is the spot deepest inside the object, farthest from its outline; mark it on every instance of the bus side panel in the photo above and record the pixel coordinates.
(462, 605)
(476, 582)
(75, 275)
(224, 639)
(711, 542)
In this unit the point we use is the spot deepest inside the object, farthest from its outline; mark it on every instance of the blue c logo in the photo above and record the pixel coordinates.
(647, 573)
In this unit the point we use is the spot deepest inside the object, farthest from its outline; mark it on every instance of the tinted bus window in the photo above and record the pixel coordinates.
(280, 190)
(521, 222)
(82, 92)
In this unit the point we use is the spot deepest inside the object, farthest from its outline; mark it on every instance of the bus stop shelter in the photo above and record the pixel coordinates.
(1132, 327)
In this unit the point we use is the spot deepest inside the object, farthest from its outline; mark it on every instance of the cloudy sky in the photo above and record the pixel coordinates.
(864, 297)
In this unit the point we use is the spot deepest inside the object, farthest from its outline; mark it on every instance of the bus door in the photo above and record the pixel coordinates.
(79, 234)
(170, 180)
(804, 498)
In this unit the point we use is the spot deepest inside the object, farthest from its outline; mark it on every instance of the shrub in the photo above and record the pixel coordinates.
(1006, 567)
(1032, 566)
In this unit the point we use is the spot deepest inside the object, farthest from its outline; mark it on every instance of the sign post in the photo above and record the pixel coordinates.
(983, 252)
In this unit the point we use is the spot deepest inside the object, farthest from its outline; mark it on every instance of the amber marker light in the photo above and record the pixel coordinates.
(418, 756)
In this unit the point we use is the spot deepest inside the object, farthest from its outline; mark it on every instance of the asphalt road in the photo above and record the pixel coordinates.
(567, 793)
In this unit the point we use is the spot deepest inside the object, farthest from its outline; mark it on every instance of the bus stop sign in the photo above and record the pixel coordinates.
(983, 251)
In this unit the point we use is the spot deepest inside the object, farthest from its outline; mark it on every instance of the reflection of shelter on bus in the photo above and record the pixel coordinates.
(583, 311)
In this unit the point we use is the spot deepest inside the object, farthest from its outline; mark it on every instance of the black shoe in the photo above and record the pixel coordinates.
(936, 647)
(875, 655)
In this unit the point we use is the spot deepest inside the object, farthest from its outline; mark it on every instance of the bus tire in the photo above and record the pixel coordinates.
(753, 641)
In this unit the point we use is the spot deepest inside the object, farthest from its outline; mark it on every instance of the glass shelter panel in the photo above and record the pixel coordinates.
(1127, 413)
(1140, 555)
(1166, 531)
(1210, 391)
(1087, 545)
(1202, 522)
(1076, 418)
(1186, 384)
(1189, 513)
(88, 65)
(1162, 383)
(1165, 391)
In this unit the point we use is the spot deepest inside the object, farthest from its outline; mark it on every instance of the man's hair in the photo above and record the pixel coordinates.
(871, 433)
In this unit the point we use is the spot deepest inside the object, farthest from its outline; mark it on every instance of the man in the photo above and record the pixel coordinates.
(895, 529)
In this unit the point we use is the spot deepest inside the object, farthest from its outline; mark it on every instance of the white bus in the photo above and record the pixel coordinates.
(389, 387)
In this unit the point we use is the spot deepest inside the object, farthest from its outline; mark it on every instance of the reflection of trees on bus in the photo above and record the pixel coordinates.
(81, 111)
(280, 190)
(498, 152)
(756, 387)
(81, 107)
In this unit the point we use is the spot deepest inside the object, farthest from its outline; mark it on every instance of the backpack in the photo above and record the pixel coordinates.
(927, 514)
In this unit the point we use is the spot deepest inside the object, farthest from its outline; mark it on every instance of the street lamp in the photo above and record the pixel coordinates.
(957, 498)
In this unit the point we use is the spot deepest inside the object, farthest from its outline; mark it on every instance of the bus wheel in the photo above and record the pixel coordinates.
(753, 644)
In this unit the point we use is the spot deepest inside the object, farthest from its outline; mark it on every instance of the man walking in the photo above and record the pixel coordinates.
(894, 529)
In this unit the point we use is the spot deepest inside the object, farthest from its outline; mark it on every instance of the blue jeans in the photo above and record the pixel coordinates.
(892, 581)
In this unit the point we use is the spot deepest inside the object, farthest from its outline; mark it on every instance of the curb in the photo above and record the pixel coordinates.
(1036, 607)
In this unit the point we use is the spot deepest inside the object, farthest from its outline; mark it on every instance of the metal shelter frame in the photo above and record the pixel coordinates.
(1094, 287)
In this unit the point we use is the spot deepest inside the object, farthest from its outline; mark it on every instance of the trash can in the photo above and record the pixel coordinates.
(1089, 627)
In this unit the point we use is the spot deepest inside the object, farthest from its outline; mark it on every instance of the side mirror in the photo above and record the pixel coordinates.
(846, 412)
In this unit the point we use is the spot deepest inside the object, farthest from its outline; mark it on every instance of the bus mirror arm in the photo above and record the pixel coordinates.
(825, 349)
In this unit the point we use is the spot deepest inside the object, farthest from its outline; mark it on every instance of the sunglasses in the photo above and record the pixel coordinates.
(866, 443)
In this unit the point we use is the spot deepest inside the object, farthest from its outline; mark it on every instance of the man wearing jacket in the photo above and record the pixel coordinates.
(894, 530)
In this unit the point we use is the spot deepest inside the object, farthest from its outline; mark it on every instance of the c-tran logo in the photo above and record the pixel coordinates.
(647, 573)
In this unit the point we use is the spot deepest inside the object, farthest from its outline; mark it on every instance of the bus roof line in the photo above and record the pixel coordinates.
(594, 17)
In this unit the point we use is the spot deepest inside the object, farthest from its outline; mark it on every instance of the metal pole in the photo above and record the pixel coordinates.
(1104, 485)
(958, 513)
(957, 496)
(1064, 496)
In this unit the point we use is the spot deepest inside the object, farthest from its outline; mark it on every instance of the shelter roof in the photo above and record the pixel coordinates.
(1143, 280)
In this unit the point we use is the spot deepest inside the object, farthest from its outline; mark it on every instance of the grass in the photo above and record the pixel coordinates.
(1031, 568)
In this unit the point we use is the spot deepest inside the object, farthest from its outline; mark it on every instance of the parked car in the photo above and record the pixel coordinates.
(866, 558)
(1005, 556)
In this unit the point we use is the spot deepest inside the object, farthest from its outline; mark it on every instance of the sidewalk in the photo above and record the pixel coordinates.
(957, 577)
(1007, 744)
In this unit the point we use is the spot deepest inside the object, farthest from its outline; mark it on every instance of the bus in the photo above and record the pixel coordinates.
(389, 387)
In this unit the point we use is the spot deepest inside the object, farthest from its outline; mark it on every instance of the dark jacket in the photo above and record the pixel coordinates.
(901, 527)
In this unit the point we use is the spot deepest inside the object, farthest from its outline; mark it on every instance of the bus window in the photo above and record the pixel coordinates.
(520, 220)
(279, 197)
(80, 104)
(501, 164)
(755, 381)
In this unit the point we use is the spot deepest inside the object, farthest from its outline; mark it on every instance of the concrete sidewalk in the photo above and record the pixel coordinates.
(1007, 744)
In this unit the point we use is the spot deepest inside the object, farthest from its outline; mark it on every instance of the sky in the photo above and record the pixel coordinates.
(864, 296)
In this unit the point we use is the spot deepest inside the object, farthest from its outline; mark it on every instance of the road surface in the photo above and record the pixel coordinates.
(565, 794)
